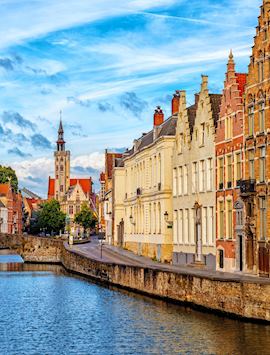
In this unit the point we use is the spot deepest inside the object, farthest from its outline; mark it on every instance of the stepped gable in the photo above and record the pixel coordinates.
(215, 100)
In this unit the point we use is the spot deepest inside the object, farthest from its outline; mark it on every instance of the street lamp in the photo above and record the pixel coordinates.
(131, 220)
(166, 218)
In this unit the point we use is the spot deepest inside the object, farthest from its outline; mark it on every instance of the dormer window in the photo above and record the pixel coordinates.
(202, 134)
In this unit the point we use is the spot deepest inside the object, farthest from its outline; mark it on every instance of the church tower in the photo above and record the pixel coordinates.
(62, 166)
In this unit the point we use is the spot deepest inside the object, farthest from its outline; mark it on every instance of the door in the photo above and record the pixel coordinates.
(240, 252)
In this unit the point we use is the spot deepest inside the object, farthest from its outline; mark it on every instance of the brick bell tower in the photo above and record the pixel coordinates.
(62, 165)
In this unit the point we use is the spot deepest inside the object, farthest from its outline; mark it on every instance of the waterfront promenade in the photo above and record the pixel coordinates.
(112, 254)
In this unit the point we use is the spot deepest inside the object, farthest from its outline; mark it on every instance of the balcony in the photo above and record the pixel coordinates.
(248, 187)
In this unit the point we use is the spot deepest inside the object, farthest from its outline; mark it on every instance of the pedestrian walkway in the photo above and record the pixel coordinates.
(111, 254)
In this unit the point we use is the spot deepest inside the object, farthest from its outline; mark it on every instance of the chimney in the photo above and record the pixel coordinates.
(175, 102)
(158, 116)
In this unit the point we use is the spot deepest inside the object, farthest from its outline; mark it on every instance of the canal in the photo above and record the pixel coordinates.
(44, 310)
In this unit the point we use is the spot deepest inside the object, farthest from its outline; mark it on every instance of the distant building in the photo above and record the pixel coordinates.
(70, 192)
(3, 218)
(12, 201)
(31, 206)
(108, 193)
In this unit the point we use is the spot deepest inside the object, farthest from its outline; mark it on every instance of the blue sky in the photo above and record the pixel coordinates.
(106, 65)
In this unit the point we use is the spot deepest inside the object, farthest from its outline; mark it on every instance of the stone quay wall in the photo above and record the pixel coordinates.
(233, 297)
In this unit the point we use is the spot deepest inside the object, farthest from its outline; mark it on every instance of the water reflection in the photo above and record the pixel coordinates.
(46, 311)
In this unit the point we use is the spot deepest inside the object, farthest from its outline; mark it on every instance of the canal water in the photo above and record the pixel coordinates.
(46, 311)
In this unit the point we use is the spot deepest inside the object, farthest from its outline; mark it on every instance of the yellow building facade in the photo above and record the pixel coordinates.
(143, 192)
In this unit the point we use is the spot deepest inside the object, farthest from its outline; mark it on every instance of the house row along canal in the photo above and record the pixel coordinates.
(44, 310)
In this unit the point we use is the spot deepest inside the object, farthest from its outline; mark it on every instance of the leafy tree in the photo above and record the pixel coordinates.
(85, 217)
(8, 174)
(50, 217)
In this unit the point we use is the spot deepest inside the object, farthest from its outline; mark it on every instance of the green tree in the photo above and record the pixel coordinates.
(50, 217)
(8, 174)
(85, 217)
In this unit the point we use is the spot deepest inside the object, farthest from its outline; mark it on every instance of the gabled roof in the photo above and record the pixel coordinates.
(167, 128)
(86, 185)
(215, 100)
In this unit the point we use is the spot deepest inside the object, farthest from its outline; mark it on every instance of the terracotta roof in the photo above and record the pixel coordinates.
(4, 189)
(241, 79)
(215, 100)
(86, 185)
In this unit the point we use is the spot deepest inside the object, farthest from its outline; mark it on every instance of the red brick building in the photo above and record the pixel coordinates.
(255, 187)
(13, 202)
(230, 171)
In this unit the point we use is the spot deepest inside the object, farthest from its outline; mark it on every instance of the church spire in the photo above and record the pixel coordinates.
(60, 142)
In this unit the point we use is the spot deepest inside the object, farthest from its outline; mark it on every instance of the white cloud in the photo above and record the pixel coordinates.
(24, 19)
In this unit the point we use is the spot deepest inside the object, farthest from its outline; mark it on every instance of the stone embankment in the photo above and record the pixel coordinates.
(244, 299)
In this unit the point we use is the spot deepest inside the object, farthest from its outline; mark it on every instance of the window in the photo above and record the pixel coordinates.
(185, 179)
(70, 211)
(261, 71)
(262, 206)
(228, 127)
(181, 226)
(221, 219)
(204, 226)
(78, 208)
(229, 171)
(251, 120)
(150, 219)
(180, 143)
(174, 182)
(176, 227)
(194, 177)
(61, 188)
(180, 180)
(61, 168)
(209, 177)
(221, 173)
(202, 176)
(251, 156)
(238, 168)
(229, 219)
(262, 164)
(211, 226)
(202, 133)
(186, 236)
(261, 117)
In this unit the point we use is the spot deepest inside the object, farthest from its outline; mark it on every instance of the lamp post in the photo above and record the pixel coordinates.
(131, 220)
(198, 233)
(166, 218)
